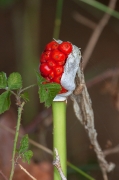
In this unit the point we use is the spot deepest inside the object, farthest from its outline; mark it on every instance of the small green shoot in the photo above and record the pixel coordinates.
(25, 96)
(3, 80)
(23, 149)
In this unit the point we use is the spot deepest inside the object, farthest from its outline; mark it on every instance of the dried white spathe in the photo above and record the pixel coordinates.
(70, 70)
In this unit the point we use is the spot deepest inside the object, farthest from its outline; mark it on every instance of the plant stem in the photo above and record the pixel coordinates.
(58, 19)
(80, 171)
(28, 87)
(16, 138)
(59, 135)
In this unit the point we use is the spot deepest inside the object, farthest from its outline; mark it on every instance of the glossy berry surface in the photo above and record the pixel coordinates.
(45, 69)
(51, 75)
(57, 79)
(65, 47)
(58, 56)
(51, 46)
(52, 62)
(45, 56)
(58, 70)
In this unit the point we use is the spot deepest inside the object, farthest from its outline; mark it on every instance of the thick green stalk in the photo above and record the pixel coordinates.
(58, 19)
(59, 135)
(15, 139)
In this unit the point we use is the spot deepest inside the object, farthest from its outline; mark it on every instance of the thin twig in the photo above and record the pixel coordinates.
(83, 20)
(111, 150)
(101, 77)
(31, 127)
(96, 34)
(22, 168)
(27, 88)
(30, 140)
(57, 164)
(84, 112)
(41, 147)
(46, 150)
(3, 175)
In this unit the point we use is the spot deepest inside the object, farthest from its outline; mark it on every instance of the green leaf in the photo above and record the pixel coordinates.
(40, 79)
(53, 90)
(23, 149)
(24, 144)
(27, 156)
(43, 95)
(3, 80)
(25, 96)
(14, 81)
(4, 101)
(47, 93)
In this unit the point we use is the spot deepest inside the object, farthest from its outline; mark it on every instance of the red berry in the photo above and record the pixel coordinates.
(51, 46)
(65, 47)
(51, 75)
(42, 58)
(63, 90)
(51, 63)
(57, 79)
(45, 69)
(58, 70)
(61, 63)
(58, 55)
(45, 56)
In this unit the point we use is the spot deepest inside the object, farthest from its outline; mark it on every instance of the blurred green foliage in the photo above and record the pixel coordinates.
(6, 3)
(101, 7)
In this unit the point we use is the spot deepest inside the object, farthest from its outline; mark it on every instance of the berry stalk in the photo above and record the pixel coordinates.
(59, 134)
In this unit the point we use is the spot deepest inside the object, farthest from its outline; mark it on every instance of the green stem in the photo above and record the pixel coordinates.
(59, 135)
(16, 138)
(58, 19)
(80, 171)
(28, 87)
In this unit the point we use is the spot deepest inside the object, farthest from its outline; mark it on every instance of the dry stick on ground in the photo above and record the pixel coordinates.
(84, 112)
(96, 33)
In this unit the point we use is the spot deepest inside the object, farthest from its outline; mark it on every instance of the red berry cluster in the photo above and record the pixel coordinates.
(52, 61)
